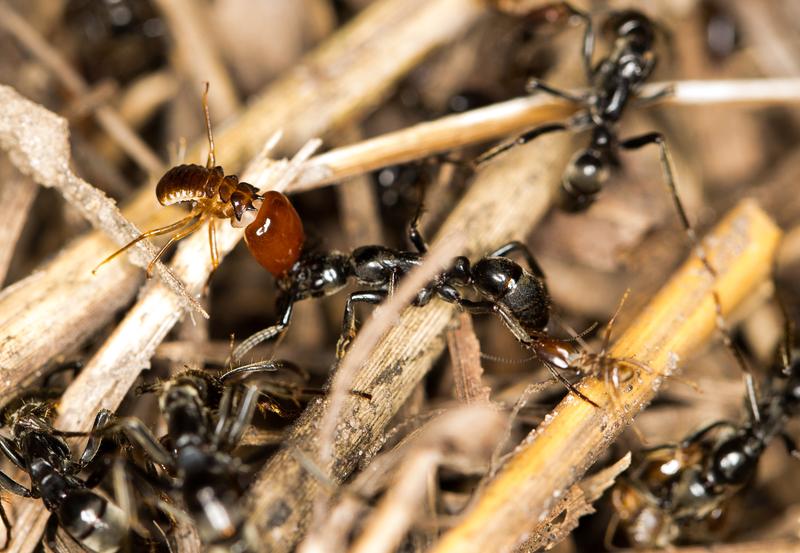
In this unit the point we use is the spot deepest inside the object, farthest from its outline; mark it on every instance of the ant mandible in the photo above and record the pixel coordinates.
(214, 195)
(612, 83)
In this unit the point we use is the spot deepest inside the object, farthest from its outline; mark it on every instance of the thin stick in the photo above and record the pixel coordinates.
(196, 52)
(114, 125)
(673, 325)
(16, 197)
(504, 118)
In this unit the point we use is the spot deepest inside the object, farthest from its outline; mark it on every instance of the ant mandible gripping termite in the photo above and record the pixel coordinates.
(270, 218)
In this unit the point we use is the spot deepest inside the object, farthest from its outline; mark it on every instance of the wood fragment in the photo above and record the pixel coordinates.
(465, 356)
(17, 193)
(576, 503)
(504, 118)
(675, 323)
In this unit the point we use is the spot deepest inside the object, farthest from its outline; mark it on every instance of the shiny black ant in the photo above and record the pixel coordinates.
(518, 295)
(678, 491)
(40, 452)
(206, 416)
(613, 82)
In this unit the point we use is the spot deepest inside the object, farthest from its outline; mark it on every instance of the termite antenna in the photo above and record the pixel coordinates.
(212, 158)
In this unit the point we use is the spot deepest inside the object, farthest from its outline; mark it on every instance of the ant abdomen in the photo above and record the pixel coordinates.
(585, 176)
(186, 183)
(522, 293)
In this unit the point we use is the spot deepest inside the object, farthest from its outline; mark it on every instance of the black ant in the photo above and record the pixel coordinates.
(206, 416)
(214, 195)
(42, 453)
(613, 82)
(679, 491)
(518, 295)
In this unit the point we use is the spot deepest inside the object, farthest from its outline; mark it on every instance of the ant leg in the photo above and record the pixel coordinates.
(11, 485)
(697, 434)
(135, 430)
(791, 445)
(666, 163)
(267, 333)
(524, 138)
(535, 85)
(72, 366)
(516, 245)
(6, 525)
(8, 449)
(569, 385)
(212, 243)
(50, 531)
(244, 414)
(103, 419)
(414, 234)
(211, 161)
(588, 39)
(659, 94)
(174, 238)
(349, 321)
(155, 232)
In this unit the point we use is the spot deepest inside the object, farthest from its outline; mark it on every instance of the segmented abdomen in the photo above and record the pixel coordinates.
(188, 182)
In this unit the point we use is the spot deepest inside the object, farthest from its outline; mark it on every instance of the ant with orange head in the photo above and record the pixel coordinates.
(214, 195)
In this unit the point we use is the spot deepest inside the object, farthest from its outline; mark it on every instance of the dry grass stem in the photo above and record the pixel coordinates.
(37, 142)
(504, 118)
(443, 435)
(16, 196)
(114, 125)
(197, 54)
(349, 74)
(675, 323)
(467, 432)
(576, 503)
(505, 201)
(465, 356)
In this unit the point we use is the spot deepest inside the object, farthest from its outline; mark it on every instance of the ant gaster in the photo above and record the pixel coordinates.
(36, 449)
(518, 295)
(214, 195)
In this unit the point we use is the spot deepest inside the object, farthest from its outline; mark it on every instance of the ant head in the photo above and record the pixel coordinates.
(494, 277)
(635, 27)
(275, 237)
(584, 178)
(319, 274)
(735, 460)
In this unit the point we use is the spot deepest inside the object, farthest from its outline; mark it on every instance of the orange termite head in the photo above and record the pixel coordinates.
(276, 236)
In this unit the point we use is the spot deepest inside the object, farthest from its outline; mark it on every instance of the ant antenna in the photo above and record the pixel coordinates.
(212, 158)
